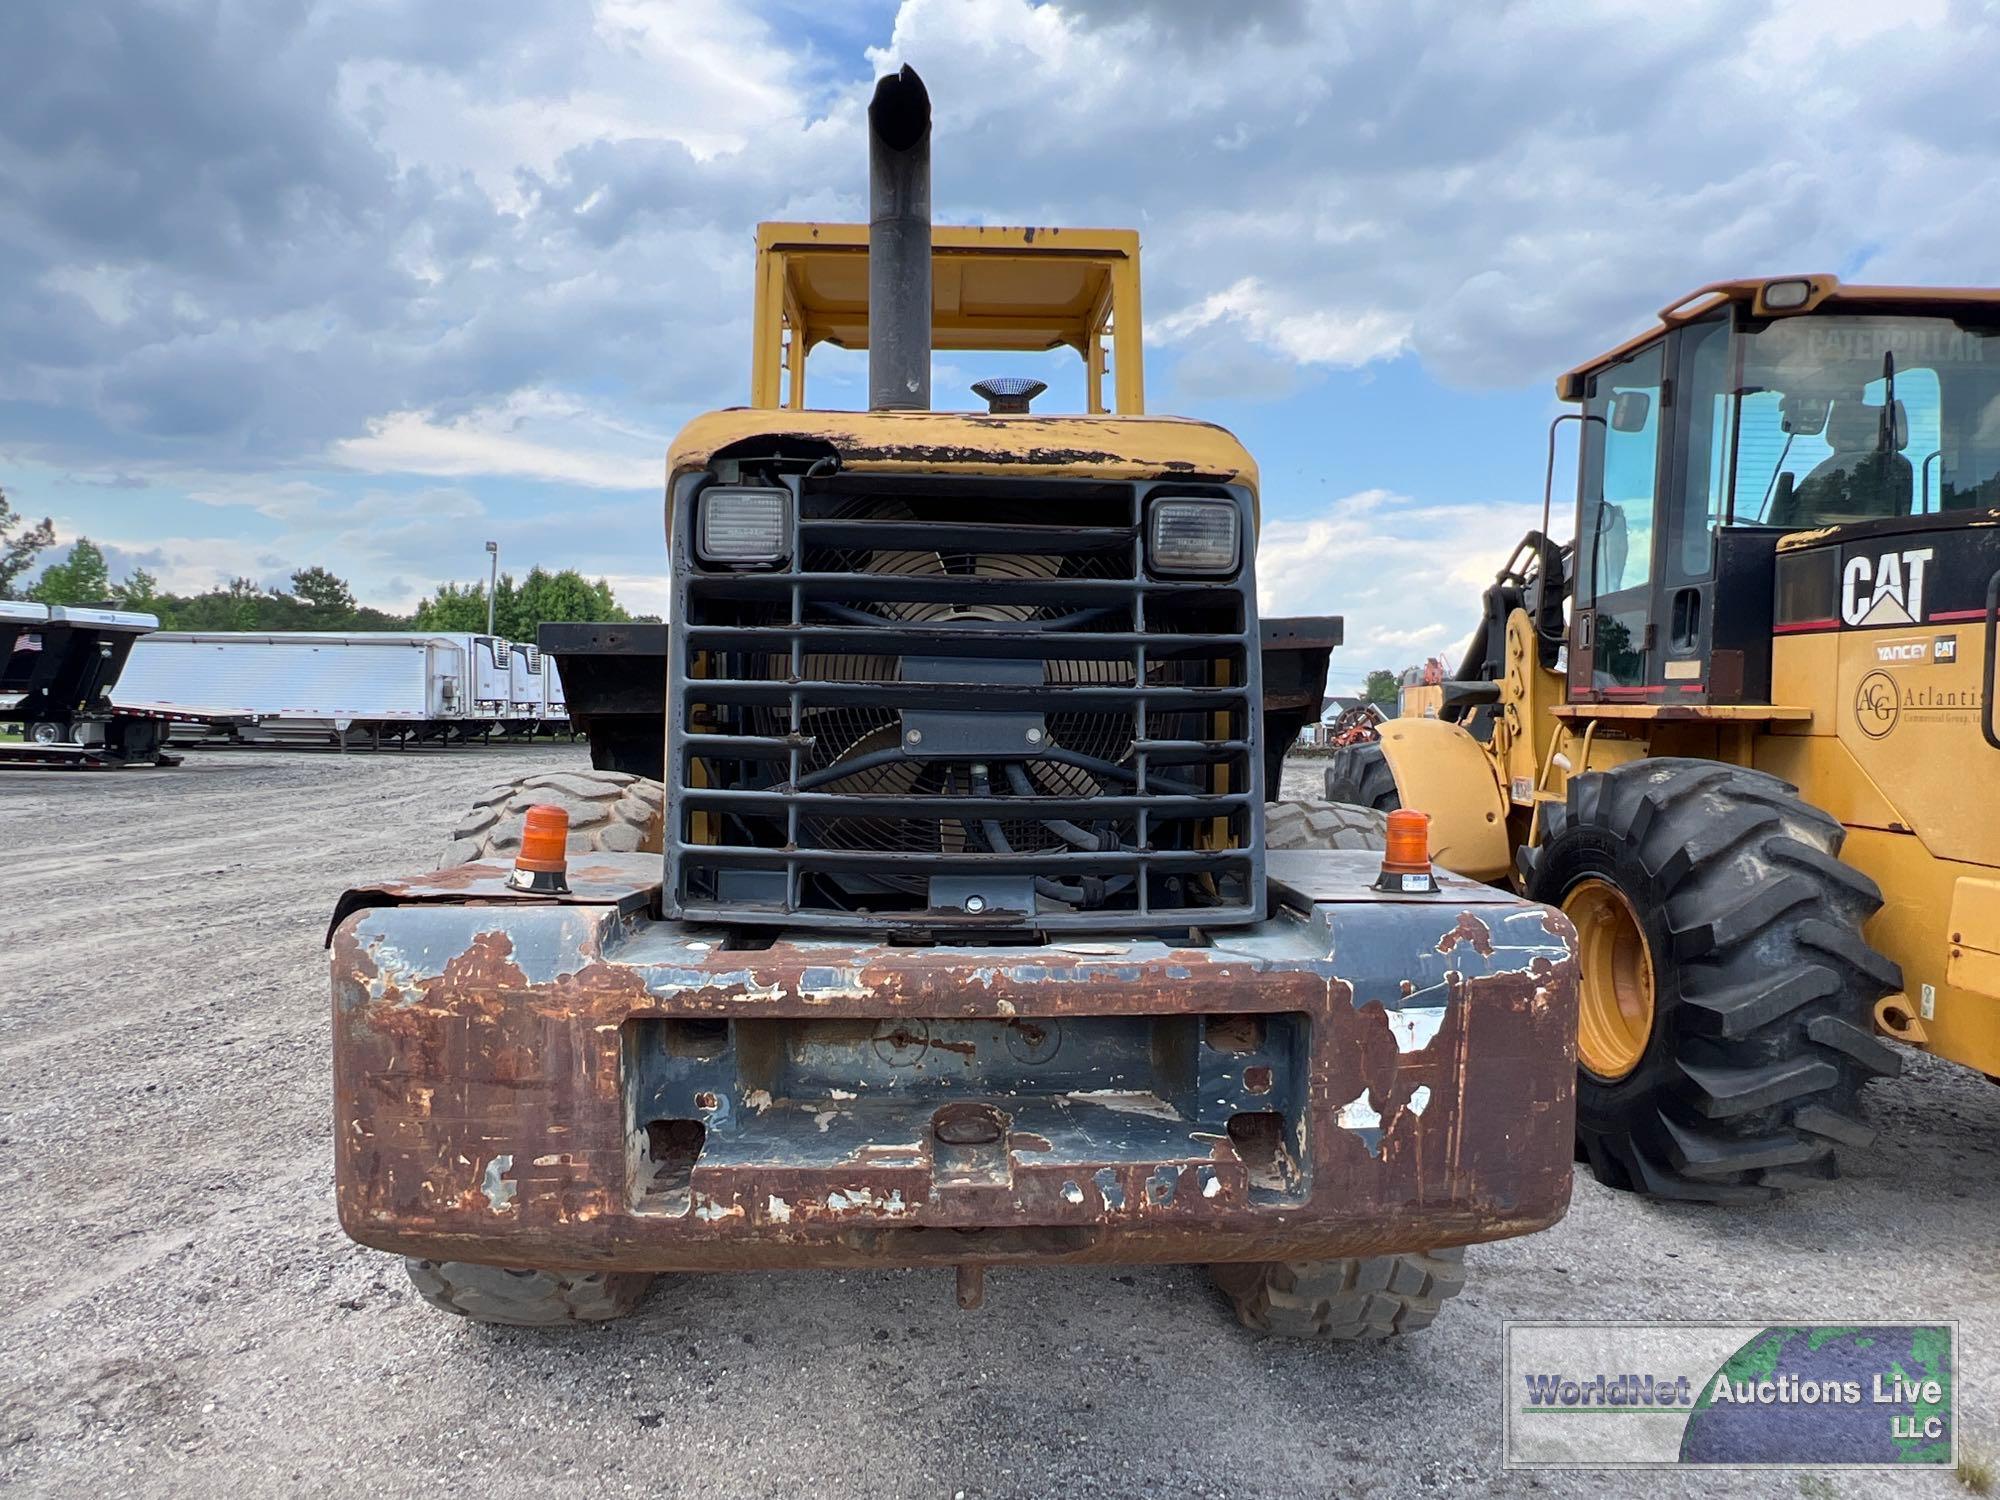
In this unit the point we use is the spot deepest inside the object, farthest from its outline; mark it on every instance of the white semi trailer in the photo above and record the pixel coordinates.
(555, 709)
(317, 685)
(526, 696)
(489, 677)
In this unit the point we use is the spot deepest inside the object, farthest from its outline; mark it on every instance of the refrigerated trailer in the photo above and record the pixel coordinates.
(525, 694)
(312, 685)
(555, 707)
(489, 662)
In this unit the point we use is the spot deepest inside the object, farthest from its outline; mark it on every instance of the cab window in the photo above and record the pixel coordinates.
(1621, 447)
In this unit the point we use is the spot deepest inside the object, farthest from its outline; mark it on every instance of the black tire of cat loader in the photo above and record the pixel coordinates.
(1360, 774)
(1763, 988)
(1349, 1298)
(523, 1298)
(608, 811)
(1372, 1298)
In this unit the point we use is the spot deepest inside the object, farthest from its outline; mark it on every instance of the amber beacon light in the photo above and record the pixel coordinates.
(542, 866)
(1406, 857)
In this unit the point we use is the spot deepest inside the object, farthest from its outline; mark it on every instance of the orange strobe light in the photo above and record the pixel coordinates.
(1406, 861)
(542, 866)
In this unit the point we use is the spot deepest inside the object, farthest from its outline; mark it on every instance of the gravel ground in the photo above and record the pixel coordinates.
(183, 1316)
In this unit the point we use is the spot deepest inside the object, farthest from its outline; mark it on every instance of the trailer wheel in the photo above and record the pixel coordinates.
(1360, 774)
(608, 811)
(1727, 993)
(524, 1298)
(47, 732)
(1369, 1298)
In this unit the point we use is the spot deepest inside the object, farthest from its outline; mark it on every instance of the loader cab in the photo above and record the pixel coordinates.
(1756, 411)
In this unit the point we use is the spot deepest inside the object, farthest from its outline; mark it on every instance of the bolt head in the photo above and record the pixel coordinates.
(1034, 736)
(913, 737)
(975, 904)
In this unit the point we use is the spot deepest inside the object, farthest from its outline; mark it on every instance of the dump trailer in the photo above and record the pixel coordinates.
(58, 667)
(1742, 729)
(922, 906)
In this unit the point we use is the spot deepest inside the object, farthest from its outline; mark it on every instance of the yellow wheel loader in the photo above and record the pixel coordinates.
(921, 905)
(1742, 729)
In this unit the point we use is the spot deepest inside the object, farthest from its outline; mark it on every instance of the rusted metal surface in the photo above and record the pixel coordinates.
(1098, 447)
(531, 1082)
(625, 881)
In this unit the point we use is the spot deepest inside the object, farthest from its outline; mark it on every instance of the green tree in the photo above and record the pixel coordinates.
(18, 548)
(1382, 687)
(453, 608)
(140, 591)
(545, 596)
(520, 610)
(326, 599)
(80, 578)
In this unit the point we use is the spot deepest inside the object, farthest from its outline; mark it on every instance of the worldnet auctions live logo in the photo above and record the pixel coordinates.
(1730, 1395)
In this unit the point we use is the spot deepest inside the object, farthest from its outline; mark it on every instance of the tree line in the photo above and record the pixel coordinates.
(316, 600)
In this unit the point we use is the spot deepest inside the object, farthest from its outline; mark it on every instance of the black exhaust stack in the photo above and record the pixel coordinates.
(899, 244)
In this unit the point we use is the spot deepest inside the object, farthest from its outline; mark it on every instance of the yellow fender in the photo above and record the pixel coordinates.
(1443, 771)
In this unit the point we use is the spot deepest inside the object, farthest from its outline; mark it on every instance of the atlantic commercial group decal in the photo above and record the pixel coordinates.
(1731, 1395)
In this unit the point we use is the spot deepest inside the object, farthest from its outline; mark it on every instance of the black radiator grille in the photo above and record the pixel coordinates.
(963, 704)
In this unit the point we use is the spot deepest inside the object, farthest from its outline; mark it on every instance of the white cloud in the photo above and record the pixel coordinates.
(1405, 577)
(586, 449)
(412, 239)
(1308, 336)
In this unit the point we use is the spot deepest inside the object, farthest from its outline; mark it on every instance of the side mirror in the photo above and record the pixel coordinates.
(1629, 411)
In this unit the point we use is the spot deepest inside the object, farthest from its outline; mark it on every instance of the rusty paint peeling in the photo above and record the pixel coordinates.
(1471, 931)
(482, 1060)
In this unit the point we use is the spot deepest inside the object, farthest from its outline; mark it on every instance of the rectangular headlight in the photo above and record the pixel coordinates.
(1193, 536)
(744, 525)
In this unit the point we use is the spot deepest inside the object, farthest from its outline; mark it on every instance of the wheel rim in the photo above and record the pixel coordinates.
(1615, 1003)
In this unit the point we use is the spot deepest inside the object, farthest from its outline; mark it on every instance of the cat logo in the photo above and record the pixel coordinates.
(1885, 590)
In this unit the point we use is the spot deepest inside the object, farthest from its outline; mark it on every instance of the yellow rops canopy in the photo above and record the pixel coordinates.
(1023, 289)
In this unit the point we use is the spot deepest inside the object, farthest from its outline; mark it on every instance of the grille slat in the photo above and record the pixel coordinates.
(863, 805)
(891, 636)
(944, 536)
(969, 694)
(962, 683)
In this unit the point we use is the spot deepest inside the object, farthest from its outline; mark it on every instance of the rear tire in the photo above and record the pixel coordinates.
(1761, 1030)
(609, 811)
(1323, 825)
(523, 1298)
(1350, 1299)
(1360, 774)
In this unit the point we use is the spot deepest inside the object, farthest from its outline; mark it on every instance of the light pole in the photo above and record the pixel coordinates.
(492, 583)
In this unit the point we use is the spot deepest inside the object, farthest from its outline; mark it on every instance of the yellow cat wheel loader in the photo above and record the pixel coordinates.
(1742, 729)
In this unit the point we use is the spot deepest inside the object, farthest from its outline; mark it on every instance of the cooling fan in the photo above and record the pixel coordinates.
(867, 737)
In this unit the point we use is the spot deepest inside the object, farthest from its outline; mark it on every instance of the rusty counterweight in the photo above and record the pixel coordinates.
(578, 1084)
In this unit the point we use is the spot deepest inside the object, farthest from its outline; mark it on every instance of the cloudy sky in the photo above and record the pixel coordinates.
(366, 282)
